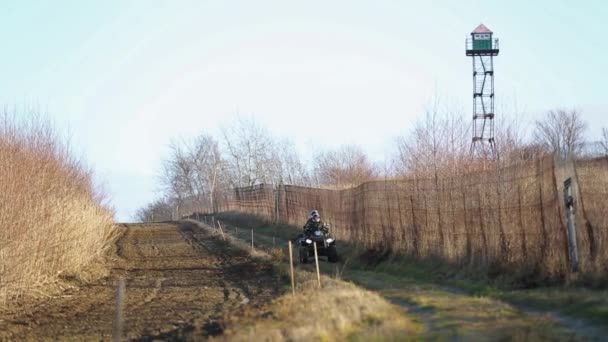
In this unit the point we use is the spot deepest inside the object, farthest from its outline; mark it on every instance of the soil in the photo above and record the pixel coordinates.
(180, 280)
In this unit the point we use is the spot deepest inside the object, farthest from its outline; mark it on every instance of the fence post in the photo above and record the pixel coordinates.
(293, 282)
(572, 247)
(587, 225)
(467, 233)
(415, 229)
(484, 238)
(545, 238)
(277, 198)
(221, 230)
(524, 239)
(117, 329)
(317, 264)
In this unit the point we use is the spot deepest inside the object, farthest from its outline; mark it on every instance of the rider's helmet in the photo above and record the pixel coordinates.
(313, 213)
(316, 218)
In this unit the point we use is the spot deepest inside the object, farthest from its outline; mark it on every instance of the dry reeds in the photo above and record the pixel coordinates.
(52, 222)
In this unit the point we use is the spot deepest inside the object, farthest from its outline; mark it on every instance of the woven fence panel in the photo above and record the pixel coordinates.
(513, 217)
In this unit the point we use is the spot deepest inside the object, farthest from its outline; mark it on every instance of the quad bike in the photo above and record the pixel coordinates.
(326, 244)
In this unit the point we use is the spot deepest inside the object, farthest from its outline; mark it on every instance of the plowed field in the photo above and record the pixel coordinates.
(180, 280)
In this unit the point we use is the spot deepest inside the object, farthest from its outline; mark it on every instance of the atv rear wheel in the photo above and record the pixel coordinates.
(303, 255)
(332, 254)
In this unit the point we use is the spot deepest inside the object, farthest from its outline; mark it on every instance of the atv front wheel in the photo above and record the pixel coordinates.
(332, 254)
(303, 255)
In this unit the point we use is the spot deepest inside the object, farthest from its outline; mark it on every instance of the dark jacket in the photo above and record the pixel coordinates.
(312, 225)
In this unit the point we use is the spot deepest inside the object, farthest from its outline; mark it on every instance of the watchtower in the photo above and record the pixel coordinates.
(483, 47)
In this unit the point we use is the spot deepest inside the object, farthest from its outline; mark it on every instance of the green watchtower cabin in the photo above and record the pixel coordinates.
(483, 47)
(482, 38)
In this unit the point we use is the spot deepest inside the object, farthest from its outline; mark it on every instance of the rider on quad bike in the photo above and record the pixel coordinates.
(317, 232)
(314, 222)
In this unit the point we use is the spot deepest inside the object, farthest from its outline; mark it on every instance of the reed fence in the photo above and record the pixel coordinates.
(510, 218)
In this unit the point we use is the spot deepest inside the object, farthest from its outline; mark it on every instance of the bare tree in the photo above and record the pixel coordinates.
(193, 173)
(437, 143)
(249, 153)
(177, 175)
(291, 170)
(561, 132)
(207, 164)
(345, 167)
(159, 210)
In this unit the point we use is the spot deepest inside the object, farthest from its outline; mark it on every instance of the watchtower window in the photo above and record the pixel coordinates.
(482, 36)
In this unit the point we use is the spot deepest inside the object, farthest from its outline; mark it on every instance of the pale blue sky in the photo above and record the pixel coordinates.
(127, 76)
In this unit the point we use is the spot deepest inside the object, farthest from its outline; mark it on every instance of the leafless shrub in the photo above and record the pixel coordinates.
(561, 132)
(159, 210)
(437, 143)
(346, 166)
(604, 140)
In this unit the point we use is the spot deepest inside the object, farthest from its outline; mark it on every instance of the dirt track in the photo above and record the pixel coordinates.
(180, 281)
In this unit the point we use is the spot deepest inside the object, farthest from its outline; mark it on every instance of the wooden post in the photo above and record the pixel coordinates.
(293, 281)
(221, 230)
(317, 263)
(117, 329)
(572, 246)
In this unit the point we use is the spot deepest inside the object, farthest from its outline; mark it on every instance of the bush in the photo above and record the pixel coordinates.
(52, 220)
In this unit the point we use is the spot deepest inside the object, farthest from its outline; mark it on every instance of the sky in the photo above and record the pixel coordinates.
(124, 78)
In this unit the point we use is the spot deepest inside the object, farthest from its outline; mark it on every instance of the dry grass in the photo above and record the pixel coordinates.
(339, 311)
(52, 220)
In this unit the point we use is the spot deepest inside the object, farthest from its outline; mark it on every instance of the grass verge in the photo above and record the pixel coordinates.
(338, 311)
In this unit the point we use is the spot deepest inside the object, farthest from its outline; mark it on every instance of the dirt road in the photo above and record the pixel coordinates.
(180, 280)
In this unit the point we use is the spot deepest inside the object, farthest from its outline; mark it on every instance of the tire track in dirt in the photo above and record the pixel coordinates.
(180, 281)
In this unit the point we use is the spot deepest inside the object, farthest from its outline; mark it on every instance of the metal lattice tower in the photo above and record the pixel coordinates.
(483, 47)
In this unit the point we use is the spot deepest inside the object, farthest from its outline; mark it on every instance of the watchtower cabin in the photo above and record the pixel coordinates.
(482, 47)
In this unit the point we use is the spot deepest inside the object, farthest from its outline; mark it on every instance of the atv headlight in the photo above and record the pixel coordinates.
(308, 241)
(330, 240)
